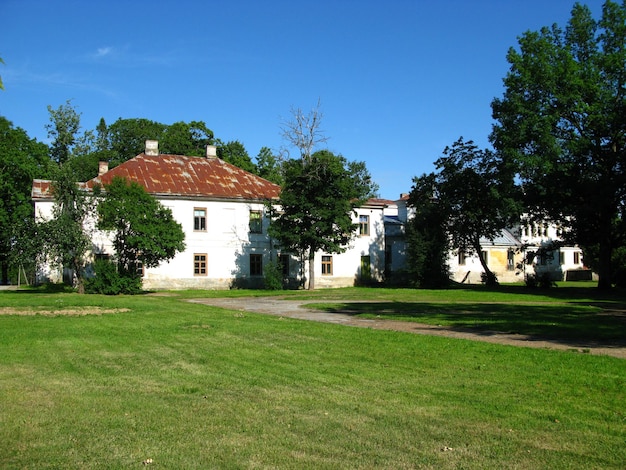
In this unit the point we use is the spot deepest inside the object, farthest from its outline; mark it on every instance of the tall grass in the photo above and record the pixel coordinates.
(191, 386)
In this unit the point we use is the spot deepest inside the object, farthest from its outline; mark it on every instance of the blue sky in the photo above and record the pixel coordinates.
(398, 80)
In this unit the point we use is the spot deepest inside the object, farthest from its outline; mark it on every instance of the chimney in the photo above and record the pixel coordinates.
(103, 167)
(211, 151)
(152, 147)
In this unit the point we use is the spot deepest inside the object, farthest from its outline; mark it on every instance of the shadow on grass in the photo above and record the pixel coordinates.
(598, 323)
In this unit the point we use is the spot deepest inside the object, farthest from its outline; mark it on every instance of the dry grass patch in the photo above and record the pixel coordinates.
(72, 312)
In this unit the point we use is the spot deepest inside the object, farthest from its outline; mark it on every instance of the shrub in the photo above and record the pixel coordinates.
(107, 280)
(273, 275)
(542, 281)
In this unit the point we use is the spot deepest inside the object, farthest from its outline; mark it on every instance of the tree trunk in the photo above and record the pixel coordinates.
(491, 279)
(311, 269)
(604, 264)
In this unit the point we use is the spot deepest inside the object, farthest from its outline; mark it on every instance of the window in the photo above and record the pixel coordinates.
(256, 265)
(327, 265)
(576, 257)
(364, 225)
(284, 264)
(561, 257)
(485, 255)
(199, 265)
(138, 268)
(462, 257)
(510, 260)
(199, 219)
(256, 224)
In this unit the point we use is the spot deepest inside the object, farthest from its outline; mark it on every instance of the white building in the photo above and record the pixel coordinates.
(505, 254)
(223, 212)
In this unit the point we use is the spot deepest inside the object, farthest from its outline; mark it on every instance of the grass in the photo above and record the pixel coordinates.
(191, 386)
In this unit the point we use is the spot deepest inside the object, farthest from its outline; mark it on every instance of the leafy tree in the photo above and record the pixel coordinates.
(269, 166)
(183, 138)
(67, 238)
(234, 152)
(475, 195)
(127, 137)
(63, 128)
(561, 120)
(21, 160)
(145, 231)
(428, 242)
(316, 203)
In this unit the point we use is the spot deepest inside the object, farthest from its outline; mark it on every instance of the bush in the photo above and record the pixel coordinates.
(107, 280)
(542, 281)
(273, 275)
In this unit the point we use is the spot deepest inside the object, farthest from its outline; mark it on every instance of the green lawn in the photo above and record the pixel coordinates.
(191, 386)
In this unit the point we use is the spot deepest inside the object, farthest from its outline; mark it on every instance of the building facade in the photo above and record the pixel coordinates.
(224, 213)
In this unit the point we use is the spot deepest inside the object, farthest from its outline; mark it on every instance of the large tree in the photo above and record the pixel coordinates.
(144, 230)
(475, 197)
(427, 238)
(67, 236)
(317, 203)
(561, 119)
(235, 153)
(269, 166)
(21, 160)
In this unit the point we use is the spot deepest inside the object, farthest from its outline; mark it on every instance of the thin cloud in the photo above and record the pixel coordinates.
(103, 51)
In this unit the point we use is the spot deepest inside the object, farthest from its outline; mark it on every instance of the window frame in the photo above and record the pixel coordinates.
(327, 265)
(364, 226)
(255, 224)
(199, 221)
(200, 262)
(256, 264)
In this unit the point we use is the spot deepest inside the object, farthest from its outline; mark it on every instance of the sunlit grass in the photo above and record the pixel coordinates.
(191, 386)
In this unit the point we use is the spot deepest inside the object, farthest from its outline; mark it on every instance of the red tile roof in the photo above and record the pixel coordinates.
(182, 176)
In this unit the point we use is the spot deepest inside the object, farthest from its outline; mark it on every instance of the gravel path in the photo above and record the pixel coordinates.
(294, 309)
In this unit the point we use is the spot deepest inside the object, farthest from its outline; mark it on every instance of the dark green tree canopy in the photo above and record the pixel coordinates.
(317, 202)
(428, 243)
(561, 121)
(269, 166)
(235, 153)
(145, 230)
(21, 160)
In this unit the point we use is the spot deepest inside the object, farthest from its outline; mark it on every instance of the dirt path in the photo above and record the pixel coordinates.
(294, 309)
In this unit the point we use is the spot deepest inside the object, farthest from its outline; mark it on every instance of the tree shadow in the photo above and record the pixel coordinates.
(599, 323)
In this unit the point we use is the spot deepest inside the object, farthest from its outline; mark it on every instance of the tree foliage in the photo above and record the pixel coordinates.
(427, 238)
(21, 160)
(67, 235)
(146, 232)
(561, 120)
(63, 129)
(316, 204)
(269, 166)
(475, 197)
(235, 153)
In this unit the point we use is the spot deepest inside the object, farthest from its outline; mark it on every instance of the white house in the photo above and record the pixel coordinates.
(223, 213)
(505, 254)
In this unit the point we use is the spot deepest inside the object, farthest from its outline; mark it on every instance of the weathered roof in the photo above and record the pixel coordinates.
(376, 202)
(182, 176)
(504, 238)
(177, 175)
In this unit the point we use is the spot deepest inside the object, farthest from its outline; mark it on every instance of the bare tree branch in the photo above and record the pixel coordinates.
(303, 131)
